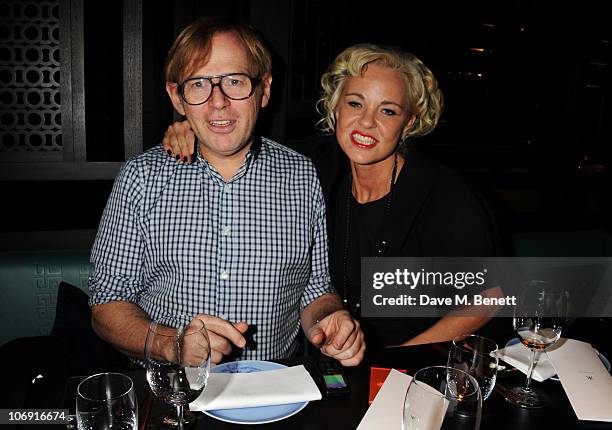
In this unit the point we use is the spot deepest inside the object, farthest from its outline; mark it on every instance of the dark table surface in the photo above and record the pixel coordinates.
(346, 412)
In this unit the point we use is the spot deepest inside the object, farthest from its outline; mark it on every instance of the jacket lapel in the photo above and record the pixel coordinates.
(414, 185)
(416, 180)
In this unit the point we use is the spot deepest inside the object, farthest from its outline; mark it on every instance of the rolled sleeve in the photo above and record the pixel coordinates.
(117, 251)
(320, 281)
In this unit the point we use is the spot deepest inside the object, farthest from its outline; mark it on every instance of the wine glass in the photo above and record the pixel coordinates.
(106, 401)
(476, 355)
(442, 398)
(177, 353)
(538, 320)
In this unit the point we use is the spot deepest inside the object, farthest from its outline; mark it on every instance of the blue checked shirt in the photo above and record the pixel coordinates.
(177, 238)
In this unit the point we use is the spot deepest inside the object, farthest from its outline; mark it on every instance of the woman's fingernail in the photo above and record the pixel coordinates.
(168, 152)
(185, 158)
(178, 157)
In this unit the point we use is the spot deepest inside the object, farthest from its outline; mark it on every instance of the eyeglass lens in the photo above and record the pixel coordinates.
(198, 90)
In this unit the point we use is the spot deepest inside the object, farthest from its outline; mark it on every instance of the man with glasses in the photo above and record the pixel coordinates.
(237, 237)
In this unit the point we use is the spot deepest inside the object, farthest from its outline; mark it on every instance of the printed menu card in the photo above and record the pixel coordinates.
(586, 381)
(386, 410)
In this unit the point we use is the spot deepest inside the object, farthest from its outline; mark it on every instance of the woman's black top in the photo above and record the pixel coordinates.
(434, 213)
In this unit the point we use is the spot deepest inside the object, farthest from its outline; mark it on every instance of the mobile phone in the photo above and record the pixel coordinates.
(333, 378)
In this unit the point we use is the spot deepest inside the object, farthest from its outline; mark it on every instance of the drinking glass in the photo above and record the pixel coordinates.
(442, 398)
(177, 353)
(538, 320)
(106, 401)
(476, 355)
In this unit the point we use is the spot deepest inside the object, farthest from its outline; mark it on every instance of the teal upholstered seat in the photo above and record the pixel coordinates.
(28, 289)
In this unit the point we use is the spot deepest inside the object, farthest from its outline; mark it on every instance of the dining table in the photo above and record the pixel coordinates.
(347, 411)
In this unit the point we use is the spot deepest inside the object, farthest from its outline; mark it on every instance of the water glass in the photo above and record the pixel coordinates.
(181, 375)
(106, 401)
(441, 397)
(476, 355)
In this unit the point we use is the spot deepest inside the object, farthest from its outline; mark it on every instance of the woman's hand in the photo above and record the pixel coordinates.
(178, 141)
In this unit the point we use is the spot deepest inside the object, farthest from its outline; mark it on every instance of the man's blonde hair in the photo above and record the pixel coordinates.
(191, 48)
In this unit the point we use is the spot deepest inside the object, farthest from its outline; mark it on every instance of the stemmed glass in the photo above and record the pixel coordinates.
(106, 401)
(476, 355)
(538, 320)
(442, 397)
(177, 353)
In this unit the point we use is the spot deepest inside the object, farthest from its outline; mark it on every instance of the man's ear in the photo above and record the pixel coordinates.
(177, 101)
(266, 85)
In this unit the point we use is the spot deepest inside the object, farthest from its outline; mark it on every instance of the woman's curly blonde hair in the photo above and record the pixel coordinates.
(423, 95)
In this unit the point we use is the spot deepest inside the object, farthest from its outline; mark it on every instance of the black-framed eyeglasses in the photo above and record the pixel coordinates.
(235, 86)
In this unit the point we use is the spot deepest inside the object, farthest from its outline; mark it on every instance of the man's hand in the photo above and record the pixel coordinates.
(195, 347)
(178, 141)
(339, 336)
(223, 335)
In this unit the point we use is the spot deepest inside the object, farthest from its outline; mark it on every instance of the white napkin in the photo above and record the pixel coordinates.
(246, 390)
(386, 410)
(518, 355)
(585, 379)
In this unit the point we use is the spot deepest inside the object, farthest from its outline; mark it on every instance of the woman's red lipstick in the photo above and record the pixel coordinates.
(362, 140)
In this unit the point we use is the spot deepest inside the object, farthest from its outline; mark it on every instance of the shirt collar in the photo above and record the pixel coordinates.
(251, 156)
(253, 152)
(255, 148)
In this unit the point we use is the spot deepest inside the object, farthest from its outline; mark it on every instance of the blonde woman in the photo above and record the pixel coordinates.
(384, 198)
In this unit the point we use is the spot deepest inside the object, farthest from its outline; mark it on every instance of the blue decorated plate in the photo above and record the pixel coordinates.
(258, 415)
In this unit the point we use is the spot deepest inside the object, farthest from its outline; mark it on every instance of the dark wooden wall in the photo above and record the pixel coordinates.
(527, 91)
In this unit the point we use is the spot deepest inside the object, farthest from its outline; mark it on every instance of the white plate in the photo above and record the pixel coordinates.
(603, 359)
(258, 415)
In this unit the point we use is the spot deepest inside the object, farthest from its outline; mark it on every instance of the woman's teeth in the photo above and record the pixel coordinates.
(363, 140)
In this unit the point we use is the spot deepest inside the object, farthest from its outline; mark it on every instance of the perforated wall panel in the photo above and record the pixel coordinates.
(30, 118)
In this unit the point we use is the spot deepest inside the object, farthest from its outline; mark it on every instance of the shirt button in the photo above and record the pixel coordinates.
(227, 188)
(224, 275)
(226, 231)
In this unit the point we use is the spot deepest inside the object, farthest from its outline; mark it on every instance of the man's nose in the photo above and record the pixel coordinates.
(218, 99)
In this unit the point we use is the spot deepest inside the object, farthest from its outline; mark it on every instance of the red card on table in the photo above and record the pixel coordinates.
(377, 379)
